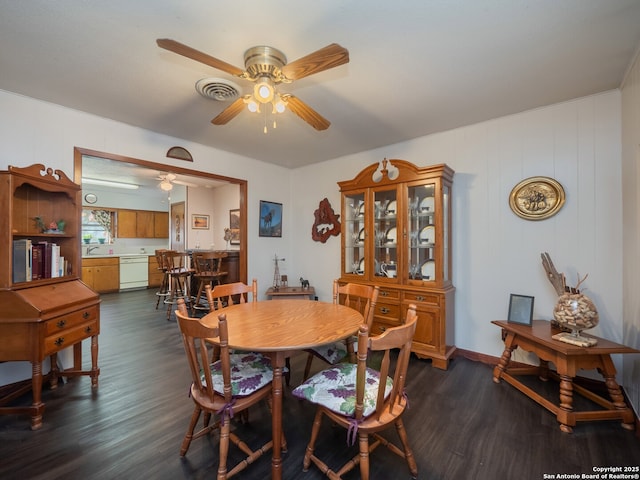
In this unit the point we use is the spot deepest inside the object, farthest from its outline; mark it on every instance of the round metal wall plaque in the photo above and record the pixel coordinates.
(537, 198)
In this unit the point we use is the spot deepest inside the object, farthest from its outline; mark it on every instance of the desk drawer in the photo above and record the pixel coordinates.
(64, 322)
(70, 336)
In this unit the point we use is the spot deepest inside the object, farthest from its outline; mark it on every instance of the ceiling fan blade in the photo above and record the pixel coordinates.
(181, 49)
(306, 113)
(229, 113)
(328, 57)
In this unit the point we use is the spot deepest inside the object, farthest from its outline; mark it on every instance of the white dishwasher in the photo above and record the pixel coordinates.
(134, 271)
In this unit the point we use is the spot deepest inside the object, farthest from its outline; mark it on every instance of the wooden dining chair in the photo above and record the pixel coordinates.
(222, 389)
(353, 396)
(207, 268)
(222, 296)
(363, 298)
(227, 294)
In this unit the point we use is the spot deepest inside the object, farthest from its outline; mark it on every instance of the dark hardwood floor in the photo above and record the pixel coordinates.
(461, 425)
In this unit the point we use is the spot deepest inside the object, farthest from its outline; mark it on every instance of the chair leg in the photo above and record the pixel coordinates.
(363, 442)
(408, 453)
(189, 435)
(317, 421)
(164, 289)
(307, 368)
(224, 447)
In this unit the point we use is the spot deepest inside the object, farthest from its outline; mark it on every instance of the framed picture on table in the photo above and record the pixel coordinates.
(520, 309)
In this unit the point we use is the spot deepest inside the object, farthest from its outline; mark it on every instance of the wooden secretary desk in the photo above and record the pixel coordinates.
(44, 307)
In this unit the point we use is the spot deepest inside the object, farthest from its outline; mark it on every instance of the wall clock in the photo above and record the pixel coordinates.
(90, 198)
(537, 198)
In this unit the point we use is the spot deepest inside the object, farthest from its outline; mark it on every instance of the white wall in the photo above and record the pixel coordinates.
(495, 252)
(32, 131)
(631, 231)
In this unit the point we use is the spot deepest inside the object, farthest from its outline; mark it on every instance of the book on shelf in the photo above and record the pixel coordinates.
(21, 260)
(37, 261)
(55, 260)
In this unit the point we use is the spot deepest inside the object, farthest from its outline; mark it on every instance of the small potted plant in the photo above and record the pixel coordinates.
(86, 238)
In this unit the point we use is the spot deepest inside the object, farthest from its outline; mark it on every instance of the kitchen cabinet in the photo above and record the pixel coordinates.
(101, 274)
(155, 274)
(142, 224)
(396, 233)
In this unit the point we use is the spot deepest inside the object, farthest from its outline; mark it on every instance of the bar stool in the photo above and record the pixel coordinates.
(179, 273)
(208, 271)
(163, 291)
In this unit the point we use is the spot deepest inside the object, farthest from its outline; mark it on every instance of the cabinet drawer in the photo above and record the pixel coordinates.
(380, 327)
(388, 294)
(422, 297)
(64, 322)
(70, 336)
(387, 312)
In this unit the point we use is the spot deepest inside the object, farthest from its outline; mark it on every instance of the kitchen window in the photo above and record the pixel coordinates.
(97, 226)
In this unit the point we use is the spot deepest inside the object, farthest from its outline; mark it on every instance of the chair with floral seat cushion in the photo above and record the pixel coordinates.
(226, 294)
(354, 397)
(222, 389)
(360, 297)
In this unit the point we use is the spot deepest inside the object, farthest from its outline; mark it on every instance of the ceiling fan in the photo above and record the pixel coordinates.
(167, 180)
(267, 67)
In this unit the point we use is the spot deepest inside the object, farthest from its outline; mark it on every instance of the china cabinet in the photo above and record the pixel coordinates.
(396, 233)
(46, 308)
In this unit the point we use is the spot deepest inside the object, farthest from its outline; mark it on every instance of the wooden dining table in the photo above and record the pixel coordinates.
(277, 328)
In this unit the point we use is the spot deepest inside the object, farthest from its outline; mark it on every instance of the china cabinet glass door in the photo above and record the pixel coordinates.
(386, 233)
(354, 234)
(422, 239)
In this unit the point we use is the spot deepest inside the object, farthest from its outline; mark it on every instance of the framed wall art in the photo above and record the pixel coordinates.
(537, 198)
(270, 219)
(520, 309)
(200, 222)
(234, 226)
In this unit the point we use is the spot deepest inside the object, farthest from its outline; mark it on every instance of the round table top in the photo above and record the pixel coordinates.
(277, 325)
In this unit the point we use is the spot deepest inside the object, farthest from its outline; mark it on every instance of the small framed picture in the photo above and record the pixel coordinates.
(234, 226)
(520, 309)
(200, 222)
(270, 219)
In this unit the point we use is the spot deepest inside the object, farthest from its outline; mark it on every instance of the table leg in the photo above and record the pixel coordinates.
(277, 363)
(501, 367)
(95, 371)
(609, 373)
(544, 371)
(565, 412)
(37, 407)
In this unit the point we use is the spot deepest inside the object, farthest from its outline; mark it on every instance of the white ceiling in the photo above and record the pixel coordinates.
(416, 66)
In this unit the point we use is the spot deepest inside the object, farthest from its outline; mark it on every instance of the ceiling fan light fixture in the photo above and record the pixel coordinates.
(279, 105)
(263, 90)
(166, 185)
(252, 105)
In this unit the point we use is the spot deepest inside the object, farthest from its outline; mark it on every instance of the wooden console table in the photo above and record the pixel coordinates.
(291, 292)
(568, 359)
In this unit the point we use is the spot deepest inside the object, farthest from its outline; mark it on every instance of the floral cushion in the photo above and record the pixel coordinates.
(332, 353)
(250, 372)
(335, 389)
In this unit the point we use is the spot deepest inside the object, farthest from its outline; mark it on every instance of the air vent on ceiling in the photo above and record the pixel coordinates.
(218, 89)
